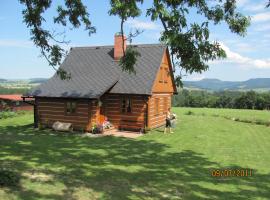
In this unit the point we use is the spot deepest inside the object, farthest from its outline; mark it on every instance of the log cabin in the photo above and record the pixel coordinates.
(99, 89)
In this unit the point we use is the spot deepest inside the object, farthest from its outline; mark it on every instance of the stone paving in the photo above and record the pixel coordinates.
(127, 134)
(116, 133)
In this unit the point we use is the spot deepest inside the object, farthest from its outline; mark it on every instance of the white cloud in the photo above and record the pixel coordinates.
(236, 58)
(266, 36)
(16, 43)
(261, 17)
(241, 3)
(254, 7)
(244, 47)
(197, 77)
(143, 25)
(262, 27)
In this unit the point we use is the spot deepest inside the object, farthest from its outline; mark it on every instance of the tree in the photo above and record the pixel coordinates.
(189, 43)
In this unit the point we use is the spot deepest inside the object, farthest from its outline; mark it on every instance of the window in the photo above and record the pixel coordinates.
(17, 103)
(165, 104)
(123, 105)
(156, 106)
(71, 107)
(166, 75)
(161, 75)
(126, 105)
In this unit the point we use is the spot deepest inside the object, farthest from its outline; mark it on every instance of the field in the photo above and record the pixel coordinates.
(154, 166)
(252, 115)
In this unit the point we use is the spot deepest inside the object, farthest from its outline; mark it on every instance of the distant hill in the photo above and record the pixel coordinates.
(2, 80)
(37, 80)
(260, 84)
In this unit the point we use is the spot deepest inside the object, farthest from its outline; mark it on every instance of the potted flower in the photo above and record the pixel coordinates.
(97, 129)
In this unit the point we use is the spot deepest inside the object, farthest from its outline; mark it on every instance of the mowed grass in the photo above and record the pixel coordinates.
(154, 166)
(253, 115)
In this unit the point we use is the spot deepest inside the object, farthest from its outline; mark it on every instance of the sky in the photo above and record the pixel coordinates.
(247, 57)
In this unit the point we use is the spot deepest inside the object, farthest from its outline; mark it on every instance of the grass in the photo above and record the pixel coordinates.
(236, 113)
(154, 166)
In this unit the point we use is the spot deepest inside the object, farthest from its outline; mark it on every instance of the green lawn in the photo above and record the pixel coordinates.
(236, 113)
(154, 166)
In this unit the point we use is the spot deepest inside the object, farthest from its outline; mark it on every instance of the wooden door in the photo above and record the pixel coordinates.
(102, 113)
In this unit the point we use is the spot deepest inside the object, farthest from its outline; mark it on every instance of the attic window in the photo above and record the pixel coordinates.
(166, 75)
(126, 105)
(71, 107)
(161, 75)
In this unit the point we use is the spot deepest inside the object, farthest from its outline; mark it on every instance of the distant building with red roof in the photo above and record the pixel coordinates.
(13, 102)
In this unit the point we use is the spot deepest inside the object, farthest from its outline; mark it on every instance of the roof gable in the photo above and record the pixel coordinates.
(164, 81)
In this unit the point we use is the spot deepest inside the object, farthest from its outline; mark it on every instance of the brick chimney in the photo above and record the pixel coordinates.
(118, 48)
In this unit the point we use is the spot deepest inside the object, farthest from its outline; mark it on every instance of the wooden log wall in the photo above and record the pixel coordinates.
(130, 121)
(51, 110)
(157, 119)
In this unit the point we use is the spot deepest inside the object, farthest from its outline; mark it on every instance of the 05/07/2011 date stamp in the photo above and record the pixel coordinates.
(232, 172)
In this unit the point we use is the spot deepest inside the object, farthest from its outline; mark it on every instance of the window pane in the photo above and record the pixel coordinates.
(166, 75)
(68, 107)
(123, 105)
(128, 105)
(73, 107)
(161, 74)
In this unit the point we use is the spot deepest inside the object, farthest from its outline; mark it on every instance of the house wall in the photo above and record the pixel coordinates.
(157, 119)
(131, 121)
(50, 110)
(162, 90)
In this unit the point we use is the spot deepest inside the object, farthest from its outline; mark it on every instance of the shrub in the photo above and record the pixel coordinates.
(7, 114)
(246, 121)
(189, 113)
(9, 178)
(261, 122)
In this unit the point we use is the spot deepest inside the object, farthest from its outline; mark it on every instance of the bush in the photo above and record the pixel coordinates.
(9, 178)
(7, 114)
(189, 113)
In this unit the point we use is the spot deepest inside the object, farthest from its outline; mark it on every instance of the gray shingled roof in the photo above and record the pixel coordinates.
(94, 72)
